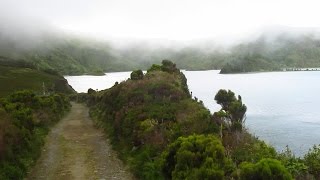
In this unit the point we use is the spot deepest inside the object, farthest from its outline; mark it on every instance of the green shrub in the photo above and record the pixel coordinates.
(252, 151)
(154, 67)
(150, 122)
(136, 75)
(295, 165)
(143, 164)
(169, 66)
(196, 157)
(265, 169)
(312, 160)
(24, 122)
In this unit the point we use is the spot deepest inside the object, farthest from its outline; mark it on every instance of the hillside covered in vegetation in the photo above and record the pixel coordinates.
(25, 119)
(62, 53)
(75, 55)
(19, 75)
(161, 132)
(274, 54)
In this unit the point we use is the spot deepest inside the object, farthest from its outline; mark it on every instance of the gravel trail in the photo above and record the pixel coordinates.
(75, 149)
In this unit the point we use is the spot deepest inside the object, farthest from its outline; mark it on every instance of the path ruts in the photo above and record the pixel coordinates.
(75, 149)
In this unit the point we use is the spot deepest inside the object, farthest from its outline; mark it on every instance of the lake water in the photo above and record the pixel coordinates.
(283, 107)
(83, 83)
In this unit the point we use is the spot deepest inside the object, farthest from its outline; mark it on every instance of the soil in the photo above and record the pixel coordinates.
(76, 149)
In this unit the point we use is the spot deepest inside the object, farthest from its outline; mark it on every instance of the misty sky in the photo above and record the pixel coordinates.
(163, 19)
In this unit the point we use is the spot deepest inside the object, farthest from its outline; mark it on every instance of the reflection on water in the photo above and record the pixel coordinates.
(282, 106)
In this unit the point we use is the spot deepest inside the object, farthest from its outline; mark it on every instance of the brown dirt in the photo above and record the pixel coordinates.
(75, 149)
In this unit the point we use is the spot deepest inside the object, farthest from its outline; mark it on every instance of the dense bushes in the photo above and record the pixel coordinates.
(312, 160)
(196, 157)
(270, 169)
(24, 121)
(164, 134)
(144, 116)
(156, 115)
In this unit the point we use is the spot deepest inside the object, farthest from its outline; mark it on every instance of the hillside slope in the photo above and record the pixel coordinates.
(282, 51)
(15, 77)
(144, 114)
(25, 119)
(75, 55)
(163, 133)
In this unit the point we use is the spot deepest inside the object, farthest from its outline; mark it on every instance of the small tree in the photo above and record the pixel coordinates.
(233, 111)
(225, 98)
(136, 75)
(91, 91)
(169, 66)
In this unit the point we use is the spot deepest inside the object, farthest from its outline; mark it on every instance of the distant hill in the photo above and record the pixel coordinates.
(63, 53)
(21, 75)
(75, 55)
(283, 51)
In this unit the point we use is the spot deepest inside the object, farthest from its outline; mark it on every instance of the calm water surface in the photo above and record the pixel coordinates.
(283, 107)
(83, 83)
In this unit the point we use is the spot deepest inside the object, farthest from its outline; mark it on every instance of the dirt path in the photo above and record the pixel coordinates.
(75, 149)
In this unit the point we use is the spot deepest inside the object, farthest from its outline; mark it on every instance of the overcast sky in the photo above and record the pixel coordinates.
(164, 19)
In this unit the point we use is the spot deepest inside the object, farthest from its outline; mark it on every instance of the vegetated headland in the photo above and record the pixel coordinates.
(161, 132)
(158, 129)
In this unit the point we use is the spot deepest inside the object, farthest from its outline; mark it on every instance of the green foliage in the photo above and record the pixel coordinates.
(237, 111)
(225, 98)
(162, 133)
(82, 97)
(312, 160)
(158, 100)
(169, 66)
(91, 91)
(74, 55)
(270, 169)
(143, 117)
(15, 78)
(295, 166)
(136, 75)
(24, 122)
(196, 157)
(143, 164)
(233, 110)
(9, 62)
(252, 150)
(249, 63)
(154, 67)
(282, 52)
